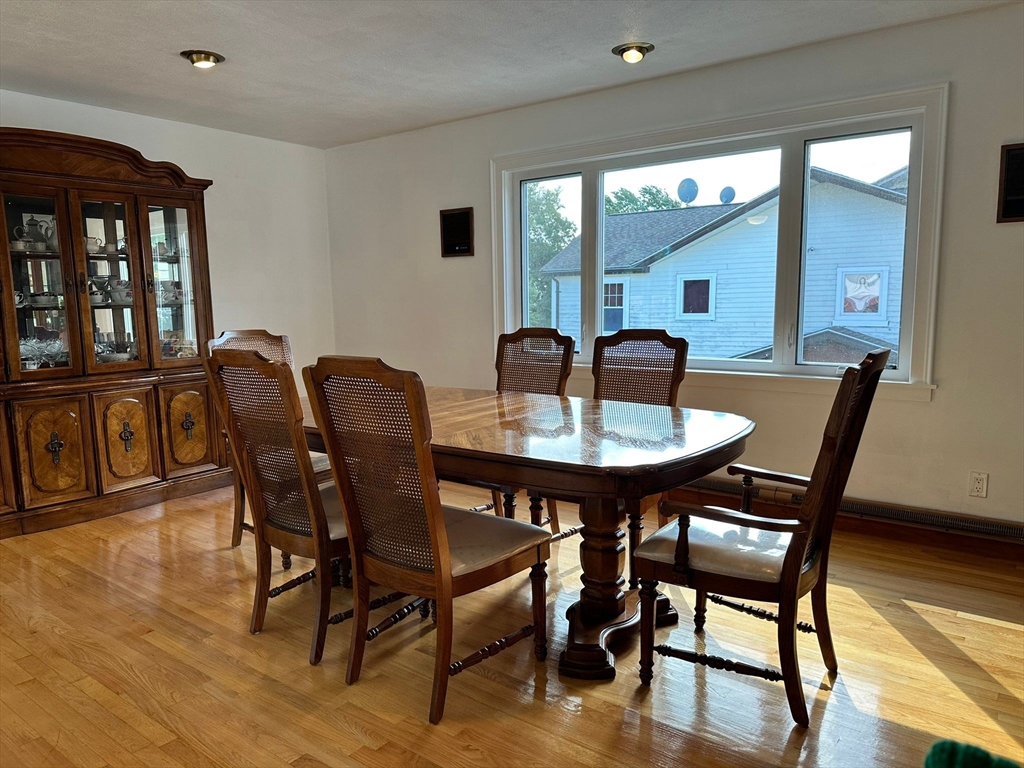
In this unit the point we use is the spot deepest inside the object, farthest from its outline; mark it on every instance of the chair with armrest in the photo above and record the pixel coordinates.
(259, 404)
(762, 557)
(536, 361)
(272, 347)
(375, 424)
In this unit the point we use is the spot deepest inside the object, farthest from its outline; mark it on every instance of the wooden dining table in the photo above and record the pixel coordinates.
(609, 454)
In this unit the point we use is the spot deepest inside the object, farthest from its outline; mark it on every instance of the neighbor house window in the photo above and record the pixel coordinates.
(696, 297)
(790, 245)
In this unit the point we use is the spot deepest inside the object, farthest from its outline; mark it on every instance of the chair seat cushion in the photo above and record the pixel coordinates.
(477, 541)
(721, 548)
(332, 509)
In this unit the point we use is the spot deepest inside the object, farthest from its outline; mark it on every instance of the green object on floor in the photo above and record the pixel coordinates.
(952, 754)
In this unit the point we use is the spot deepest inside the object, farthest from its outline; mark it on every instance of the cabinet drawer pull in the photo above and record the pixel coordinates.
(55, 446)
(188, 425)
(126, 434)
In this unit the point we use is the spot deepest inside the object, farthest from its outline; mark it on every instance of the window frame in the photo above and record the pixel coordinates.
(923, 110)
(682, 277)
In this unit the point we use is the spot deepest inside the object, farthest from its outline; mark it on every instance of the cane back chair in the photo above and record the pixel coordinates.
(638, 366)
(537, 361)
(765, 558)
(272, 347)
(259, 404)
(374, 421)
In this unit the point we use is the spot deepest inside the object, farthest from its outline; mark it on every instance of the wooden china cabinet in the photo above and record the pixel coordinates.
(106, 313)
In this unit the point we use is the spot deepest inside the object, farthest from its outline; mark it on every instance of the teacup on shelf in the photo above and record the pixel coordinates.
(97, 298)
(19, 299)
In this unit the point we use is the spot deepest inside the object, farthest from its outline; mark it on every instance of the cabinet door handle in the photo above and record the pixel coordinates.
(188, 425)
(150, 286)
(55, 446)
(126, 434)
(69, 283)
(82, 284)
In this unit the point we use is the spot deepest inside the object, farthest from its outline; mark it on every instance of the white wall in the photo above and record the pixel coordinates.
(266, 213)
(395, 297)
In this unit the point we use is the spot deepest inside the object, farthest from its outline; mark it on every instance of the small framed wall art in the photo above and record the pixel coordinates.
(1011, 184)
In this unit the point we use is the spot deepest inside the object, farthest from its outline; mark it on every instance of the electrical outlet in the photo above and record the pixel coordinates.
(978, 485)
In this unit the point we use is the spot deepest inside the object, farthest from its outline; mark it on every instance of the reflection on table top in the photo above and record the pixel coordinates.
(601, 435)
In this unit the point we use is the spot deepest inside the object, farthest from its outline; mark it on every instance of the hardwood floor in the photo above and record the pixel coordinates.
(124, 642)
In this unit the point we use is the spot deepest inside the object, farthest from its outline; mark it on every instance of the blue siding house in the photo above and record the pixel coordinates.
(707, 273)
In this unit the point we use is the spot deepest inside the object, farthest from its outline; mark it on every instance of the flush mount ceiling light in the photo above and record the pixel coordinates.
(755, 220)
(631, 53)
(202, 59)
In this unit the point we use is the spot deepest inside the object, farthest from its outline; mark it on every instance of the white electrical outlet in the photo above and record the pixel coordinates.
(978, 485)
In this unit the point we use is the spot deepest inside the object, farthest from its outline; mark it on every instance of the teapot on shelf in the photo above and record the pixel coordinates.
(34, 231)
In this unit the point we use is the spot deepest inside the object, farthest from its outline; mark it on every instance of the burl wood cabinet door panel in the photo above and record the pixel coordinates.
(54, 449)
(187, 429)
(129, 453)
(8, 501)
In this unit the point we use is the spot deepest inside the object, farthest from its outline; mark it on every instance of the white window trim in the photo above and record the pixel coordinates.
(923, 109)
(624, 282)
(682, 277)
(881, 319)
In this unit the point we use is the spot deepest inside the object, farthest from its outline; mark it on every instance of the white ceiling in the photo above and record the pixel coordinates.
(330, 72)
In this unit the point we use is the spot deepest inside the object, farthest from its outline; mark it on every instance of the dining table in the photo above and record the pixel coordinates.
(608, 454)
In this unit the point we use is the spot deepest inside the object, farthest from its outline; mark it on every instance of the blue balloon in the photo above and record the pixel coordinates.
(727, 195)
(687, 191)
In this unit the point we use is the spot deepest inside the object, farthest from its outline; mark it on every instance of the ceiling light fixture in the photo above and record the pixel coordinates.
(631, 53)
(202, 59)
(755, 220)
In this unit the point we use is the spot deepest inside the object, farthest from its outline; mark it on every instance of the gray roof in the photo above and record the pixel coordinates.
(634, 241)
(897, 180)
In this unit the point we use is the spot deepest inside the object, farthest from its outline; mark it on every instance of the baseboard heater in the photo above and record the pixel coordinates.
(873, 510)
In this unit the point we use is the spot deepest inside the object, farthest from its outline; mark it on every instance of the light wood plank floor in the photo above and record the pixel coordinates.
(124, 642)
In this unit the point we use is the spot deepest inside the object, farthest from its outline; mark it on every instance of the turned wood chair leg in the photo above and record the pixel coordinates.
(553, 514)
(648, 611)
(538, 579)
(496, 501)
(700, 611)
(236, 530)
(259, 603)
(790, 662)
(360, 619)
(819, 605)
(286, 561)
(536, 510)
(323, 608)
(442, 659)
(509, 505)
(636, 526)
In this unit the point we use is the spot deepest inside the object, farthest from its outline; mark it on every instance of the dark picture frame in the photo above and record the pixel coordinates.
(457, 238)
(1011, 184)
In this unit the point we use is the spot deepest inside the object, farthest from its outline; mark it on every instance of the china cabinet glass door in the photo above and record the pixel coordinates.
(169, 243)
(109, 282)
(40, 304)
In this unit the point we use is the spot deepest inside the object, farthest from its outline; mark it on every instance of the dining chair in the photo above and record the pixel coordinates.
(638, 365)
(258, 402)
(768, 557)
(272, 347)
(535, 361)
(375, 424)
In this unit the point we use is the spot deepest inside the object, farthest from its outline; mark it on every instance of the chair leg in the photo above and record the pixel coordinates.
(536, 508)
(553, 514)
(509, 506)
(648, 615)
(496, 501)
(324, 582)
(259, 603)
(634, 511)
(286, 561)
(360, 619)
(538, 579)
(700, 611)
(442, 658)
(789, 661)
(236, 526)
(819, 605)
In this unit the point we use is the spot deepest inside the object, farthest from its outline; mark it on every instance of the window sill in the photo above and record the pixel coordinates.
(779, 382)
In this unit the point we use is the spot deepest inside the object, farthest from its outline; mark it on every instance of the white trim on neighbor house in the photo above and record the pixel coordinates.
(682, 277)
(923, 110)
(855, 319)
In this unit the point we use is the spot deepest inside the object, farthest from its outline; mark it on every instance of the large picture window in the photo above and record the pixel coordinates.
(795, 248)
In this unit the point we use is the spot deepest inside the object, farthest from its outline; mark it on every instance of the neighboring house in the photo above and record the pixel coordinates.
(708, 272)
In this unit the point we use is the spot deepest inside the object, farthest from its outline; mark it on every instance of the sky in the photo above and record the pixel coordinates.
(866, 158)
